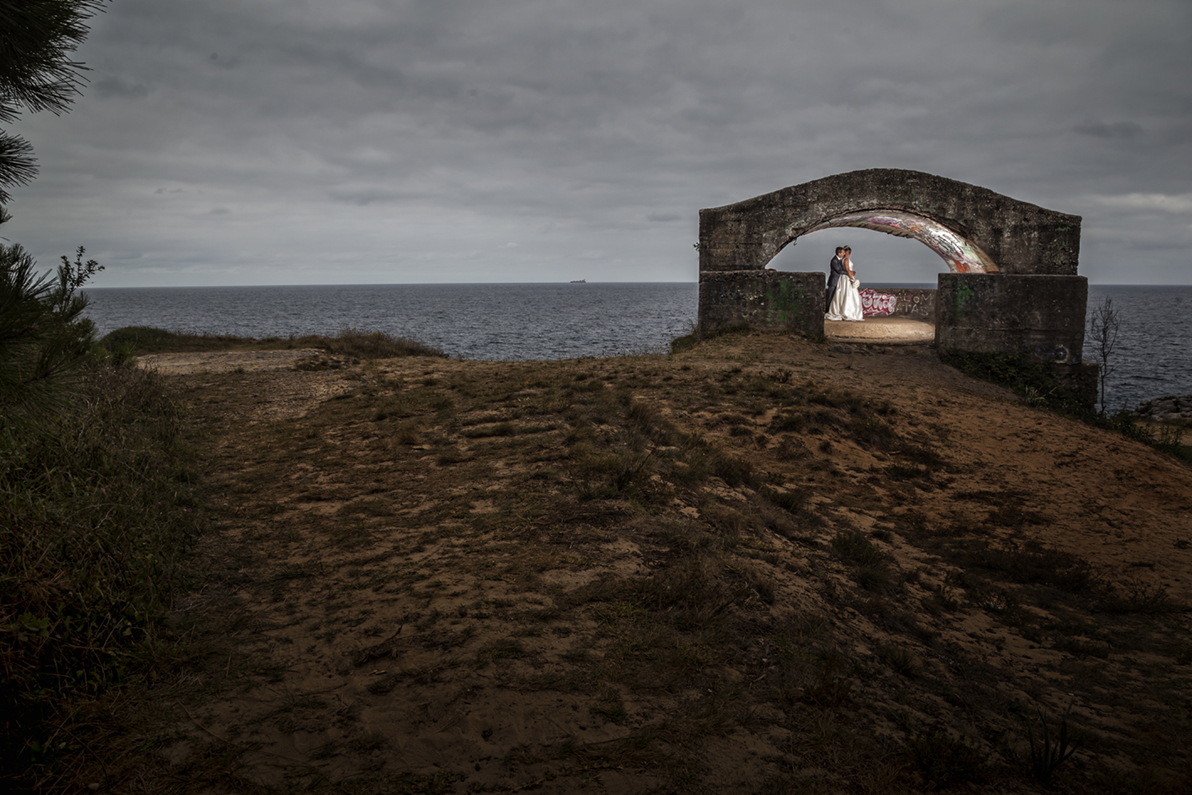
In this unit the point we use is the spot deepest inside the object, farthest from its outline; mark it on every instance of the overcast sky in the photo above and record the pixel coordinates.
(225, 142)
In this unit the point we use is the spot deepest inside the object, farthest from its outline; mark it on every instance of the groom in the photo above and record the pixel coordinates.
(835, 270)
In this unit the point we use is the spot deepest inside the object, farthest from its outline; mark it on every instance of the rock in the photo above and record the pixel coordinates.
(1167, 407)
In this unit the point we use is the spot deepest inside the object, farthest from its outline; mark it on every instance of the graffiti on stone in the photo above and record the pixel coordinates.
(1049, 353)
(961, 255)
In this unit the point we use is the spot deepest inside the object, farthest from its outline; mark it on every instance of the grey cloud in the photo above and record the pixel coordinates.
(116, 87)
(1121, 130)
(368, 124)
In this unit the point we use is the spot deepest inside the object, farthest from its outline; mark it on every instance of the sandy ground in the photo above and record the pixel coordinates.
(225, 361)
(1120, 506)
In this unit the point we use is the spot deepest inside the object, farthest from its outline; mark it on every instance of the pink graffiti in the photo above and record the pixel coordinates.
(874, 303)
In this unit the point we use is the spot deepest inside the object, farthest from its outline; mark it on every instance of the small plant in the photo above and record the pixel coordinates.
(793, 500)
(1046, 755)
(1139, 597)
(945, 760)
(875, 576)
(612, 707)
(829, 686)
(734, 471)
(1037, 398)
(945, 598)
(856, 546)
(900, 659)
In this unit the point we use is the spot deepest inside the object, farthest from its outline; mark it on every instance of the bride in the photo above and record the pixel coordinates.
(846, 301)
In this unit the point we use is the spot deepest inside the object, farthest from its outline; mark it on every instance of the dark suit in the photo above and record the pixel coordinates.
(835, 271)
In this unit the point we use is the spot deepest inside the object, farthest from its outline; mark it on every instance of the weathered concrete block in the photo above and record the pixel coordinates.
(766, 299)
(1041, 316)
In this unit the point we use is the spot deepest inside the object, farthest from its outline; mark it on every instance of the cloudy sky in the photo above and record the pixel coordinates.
(414, 141)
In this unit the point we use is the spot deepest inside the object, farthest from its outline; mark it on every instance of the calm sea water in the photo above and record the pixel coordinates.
(1153, 356)
(561, 321)
(485, 321)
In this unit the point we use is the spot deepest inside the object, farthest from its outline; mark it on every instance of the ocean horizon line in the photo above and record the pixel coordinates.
(375, 284)
(891, 284)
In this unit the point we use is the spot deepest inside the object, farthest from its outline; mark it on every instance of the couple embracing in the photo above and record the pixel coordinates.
(844, 297)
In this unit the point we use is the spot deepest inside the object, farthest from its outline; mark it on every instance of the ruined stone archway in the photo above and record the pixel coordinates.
(973, 229)
(1012, 284)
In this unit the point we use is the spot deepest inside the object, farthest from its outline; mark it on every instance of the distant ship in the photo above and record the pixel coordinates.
(579, 281)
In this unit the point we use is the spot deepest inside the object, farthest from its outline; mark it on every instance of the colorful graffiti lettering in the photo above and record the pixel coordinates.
(874, 303)
(961, 255)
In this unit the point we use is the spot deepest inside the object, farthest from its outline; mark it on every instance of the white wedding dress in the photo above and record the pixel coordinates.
(846, 301)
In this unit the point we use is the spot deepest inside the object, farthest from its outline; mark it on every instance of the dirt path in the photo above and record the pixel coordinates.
(759, 566)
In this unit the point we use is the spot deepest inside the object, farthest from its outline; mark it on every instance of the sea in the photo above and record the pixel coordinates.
(517, 322)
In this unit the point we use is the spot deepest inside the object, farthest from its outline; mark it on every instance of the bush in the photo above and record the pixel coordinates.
(1033, 381)
(376, 345)
(856, 546)
(43, 335)
(95, 513)
(694, 337)
(143, 340)
(94, 509)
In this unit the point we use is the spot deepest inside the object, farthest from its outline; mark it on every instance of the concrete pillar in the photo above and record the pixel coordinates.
(763, 299)
(1040, 316)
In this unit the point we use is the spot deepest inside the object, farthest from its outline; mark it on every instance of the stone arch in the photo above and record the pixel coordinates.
(973, 229)
(1012, 288)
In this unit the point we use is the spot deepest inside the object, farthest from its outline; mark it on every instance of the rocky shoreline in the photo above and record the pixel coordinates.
(1168, 407)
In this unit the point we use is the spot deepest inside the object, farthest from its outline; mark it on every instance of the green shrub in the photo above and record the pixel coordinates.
(43, 334)
(95, 513)
(696, 336)
(95, 510)
(856, 546)
(736, 472)
(349, 342)
(1033, 381)
(143, 340)
(375, 345)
